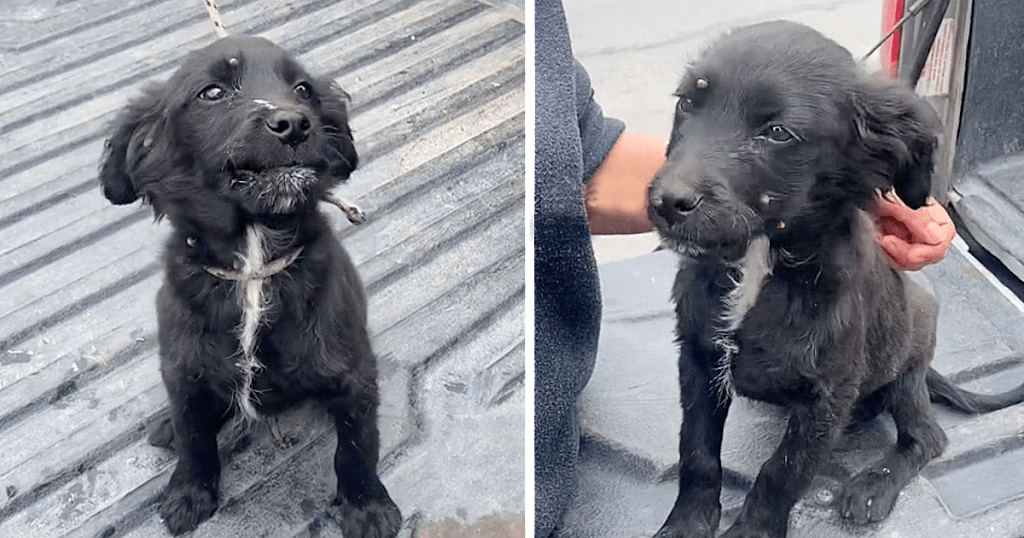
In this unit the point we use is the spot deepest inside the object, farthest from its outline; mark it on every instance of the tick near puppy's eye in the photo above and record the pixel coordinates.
(303, 90)
(212, 92)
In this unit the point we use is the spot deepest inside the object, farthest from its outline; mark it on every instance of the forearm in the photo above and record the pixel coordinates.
(616, 195)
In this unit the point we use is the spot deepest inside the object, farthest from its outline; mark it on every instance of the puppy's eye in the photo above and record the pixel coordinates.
(778, 133)
(213, 92)
(684, 104)
(303, 90)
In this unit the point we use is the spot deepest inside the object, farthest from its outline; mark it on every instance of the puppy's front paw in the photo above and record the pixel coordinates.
(869, 497)
(378, 518)
(695, 515)
(689, 529)
(184, 507)
(748, 531)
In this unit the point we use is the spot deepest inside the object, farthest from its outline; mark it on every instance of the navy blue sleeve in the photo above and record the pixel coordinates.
(597, 133)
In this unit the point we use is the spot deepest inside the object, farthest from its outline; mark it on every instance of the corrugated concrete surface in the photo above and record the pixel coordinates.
(438, 114)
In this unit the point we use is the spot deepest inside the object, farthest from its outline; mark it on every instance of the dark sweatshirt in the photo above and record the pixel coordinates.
(572, 138)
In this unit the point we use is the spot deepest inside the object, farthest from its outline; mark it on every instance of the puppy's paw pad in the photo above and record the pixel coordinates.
(869, 498)
(183, 509)
(379, 518)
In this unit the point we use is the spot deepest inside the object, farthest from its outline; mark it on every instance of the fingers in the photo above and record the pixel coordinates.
(905, 256)
(917, 222)
(941, 224)
(912, 238)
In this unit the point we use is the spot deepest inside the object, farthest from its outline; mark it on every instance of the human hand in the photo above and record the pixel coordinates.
(911, 238)
(616, 194)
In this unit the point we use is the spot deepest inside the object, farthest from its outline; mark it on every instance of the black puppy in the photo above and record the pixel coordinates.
(261, 307)
(777, 149)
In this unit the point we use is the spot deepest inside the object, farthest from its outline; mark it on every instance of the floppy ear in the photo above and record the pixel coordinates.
(898, 132)
(139, 141)
(334, 104)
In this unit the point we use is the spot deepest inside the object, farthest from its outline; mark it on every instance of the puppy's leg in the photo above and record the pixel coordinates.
(191, 495)
(867, 410)
(362, 506)
(810, 435)
(698, 509)
(870, 496)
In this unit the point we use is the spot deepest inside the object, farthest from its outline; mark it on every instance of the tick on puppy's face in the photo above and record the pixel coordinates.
(251, 121)
(739, 156)
(265, 129)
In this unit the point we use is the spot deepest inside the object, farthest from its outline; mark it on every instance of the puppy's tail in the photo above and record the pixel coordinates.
(943, 391)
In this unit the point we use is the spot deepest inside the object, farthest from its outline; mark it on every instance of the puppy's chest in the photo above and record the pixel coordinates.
(258, 295)
(763, 356)
(755, 329)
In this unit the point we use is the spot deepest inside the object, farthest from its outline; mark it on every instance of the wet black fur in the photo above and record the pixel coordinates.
(181, 147)
(834, 335)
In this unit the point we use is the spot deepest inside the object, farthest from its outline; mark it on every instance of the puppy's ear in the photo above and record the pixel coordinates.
(138, 136)
(898, 132)
(334, 103)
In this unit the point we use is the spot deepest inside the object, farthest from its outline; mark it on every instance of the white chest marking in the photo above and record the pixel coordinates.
(752, 270)
(253, 304)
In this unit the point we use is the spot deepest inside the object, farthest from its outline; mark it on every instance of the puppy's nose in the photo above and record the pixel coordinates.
(676, 206)
(290, 126)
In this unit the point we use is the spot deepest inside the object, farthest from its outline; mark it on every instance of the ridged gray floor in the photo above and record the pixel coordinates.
(438, 114)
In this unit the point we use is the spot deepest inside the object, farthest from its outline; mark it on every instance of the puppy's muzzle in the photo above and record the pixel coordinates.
(672, 196)
(289, 126)
(675, 206)
(678, 189)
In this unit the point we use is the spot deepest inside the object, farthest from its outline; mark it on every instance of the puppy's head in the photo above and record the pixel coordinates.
(777, 133)
(239, 124)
